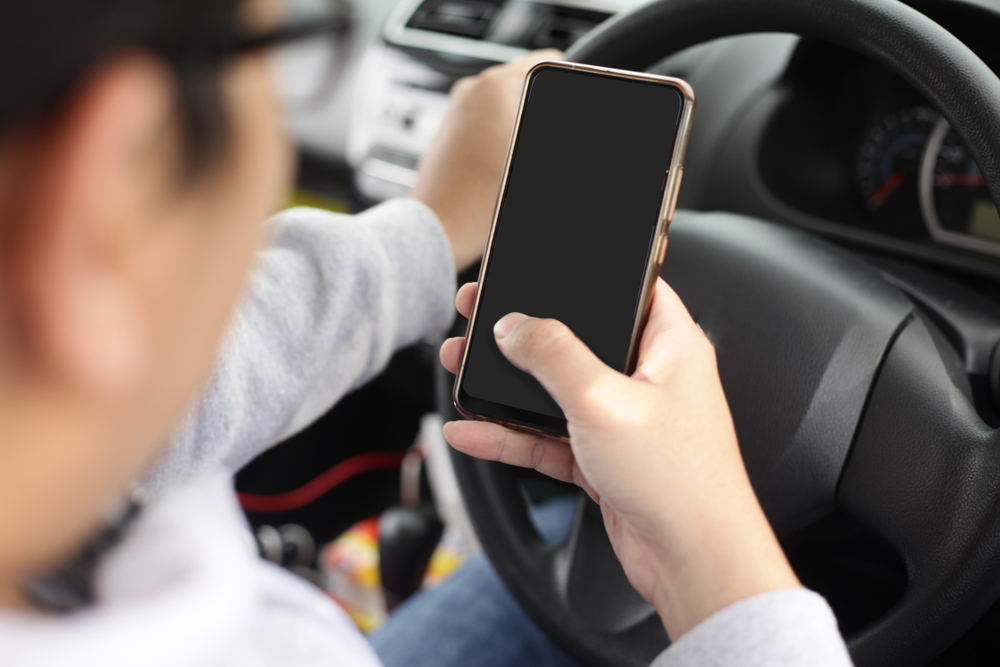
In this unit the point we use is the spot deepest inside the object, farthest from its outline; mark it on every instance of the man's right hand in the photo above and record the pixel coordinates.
(459, 175)
(656, 450)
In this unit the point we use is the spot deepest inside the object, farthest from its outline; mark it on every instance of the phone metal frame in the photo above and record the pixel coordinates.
(658, 247)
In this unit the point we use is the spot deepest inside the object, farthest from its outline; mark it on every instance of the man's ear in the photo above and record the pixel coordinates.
(103, 157)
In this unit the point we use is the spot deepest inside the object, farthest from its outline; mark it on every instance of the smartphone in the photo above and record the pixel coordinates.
(580, 227)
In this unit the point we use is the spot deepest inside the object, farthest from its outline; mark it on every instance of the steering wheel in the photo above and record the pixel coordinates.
(844, 396)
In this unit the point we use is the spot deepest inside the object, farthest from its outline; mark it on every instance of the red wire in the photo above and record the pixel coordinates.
(305, 494)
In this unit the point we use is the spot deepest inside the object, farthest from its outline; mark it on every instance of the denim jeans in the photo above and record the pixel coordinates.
(470, 620)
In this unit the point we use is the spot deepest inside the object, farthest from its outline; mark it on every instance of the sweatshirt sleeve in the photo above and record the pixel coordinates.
(786, 628)
(329, 302)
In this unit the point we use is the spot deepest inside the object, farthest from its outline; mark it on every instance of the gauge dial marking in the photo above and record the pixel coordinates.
(972, 179)
(886, 188)
(888, 163)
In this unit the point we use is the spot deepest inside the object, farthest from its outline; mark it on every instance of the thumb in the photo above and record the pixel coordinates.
(549, 351)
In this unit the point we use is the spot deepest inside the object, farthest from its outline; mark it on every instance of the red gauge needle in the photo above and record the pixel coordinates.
(945, 180)
(885, 190)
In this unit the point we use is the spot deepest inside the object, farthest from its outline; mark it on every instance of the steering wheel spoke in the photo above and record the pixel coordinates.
(592, 580)
(925, 474)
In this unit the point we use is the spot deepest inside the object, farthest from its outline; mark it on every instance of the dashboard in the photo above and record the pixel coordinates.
(790, 130)
(808, 134)
(424, 47)
(852, 143)
(903, 171)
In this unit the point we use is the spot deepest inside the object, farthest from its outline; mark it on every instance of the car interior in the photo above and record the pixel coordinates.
(836, 237)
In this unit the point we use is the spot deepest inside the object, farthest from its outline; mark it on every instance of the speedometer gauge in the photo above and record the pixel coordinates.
(954, 199)
(889, 159)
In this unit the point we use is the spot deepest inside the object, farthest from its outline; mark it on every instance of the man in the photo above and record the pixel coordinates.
(140, 150)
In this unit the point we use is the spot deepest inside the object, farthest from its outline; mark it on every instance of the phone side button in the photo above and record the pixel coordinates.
(662, 251)
(674, 195)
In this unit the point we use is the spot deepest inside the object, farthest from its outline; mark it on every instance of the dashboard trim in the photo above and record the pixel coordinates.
(396, 32)
(927, 207)
(747, 193)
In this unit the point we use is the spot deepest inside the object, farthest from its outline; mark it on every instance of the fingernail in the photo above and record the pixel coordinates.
(506, 324)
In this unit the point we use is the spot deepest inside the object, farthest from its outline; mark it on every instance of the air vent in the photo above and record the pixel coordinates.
(563, 26)
(533, 25)
(468, 18)
(494, 30)
(520, 23)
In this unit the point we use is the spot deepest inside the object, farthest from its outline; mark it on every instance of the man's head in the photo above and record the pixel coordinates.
(137, 164)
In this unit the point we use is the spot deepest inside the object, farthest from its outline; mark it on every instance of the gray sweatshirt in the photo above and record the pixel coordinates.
(330, 301)
(332, 298)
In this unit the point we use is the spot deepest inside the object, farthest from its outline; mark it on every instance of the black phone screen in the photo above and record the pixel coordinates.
(575, 228)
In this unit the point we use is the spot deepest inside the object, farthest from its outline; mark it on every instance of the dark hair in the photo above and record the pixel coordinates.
(48, 46)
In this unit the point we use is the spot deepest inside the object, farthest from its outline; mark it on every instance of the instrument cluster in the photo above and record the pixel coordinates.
(852, 150)
(912, 166)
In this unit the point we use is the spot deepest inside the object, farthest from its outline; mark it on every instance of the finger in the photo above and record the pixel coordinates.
(667, 310)
(513, 72)
(530, 59)
(466, 298)
(495, 443)
(451, 354)
(461, 84)
(521, 66)
(669, 329)
(548, 350)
